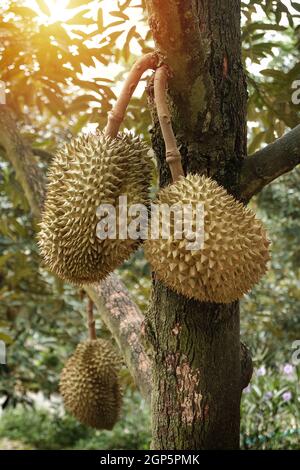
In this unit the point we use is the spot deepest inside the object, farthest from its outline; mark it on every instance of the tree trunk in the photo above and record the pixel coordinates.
(196, 346)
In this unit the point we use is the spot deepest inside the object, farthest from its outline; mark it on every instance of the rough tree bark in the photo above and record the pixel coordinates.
(125, 322)
(196, 346)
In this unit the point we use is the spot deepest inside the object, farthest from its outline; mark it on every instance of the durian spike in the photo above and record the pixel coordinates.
(173, 156)
(116, 116)
(91, 320)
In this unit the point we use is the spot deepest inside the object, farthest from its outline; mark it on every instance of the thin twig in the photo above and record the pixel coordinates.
(116, 116)
(91, 321)
(173, 156)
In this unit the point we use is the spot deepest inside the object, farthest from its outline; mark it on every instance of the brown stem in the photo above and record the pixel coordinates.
(91, 321)
(173, 156)
(116, 116)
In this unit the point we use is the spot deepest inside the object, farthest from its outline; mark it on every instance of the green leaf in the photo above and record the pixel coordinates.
(51, 84)
(126, 48)
(24, 12)
(4, 337)
(76, 108)
(256, 142)
(95, 51)
(44, 7)
(87, 85)
(56, 103)
(5, 33)
(84, 99)
(102, 79)
(282, 7)
(294, 73)
(277, 74)
(82, 34)
(114, 23)
(257, 390)
(119, 14)
(87, 60)
(82, 120)
(100, 20)
(257, 25)
(114, 36)
(80, 19)
(77, 3)
(296, 6)
(124, 5)
(7, 256)
(108, 92)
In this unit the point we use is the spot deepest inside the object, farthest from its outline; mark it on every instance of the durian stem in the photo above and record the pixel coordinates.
(173, 156)
(116, 116)
(91, 321)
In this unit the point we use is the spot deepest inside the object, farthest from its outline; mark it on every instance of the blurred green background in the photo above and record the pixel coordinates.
(62, 64)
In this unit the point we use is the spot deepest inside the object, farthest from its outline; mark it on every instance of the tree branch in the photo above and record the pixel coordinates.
(29, 175)
(125, 321)
(267, 164)
(122, 317)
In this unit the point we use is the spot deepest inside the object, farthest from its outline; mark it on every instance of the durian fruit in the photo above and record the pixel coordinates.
(91, 170)
(234, 253)
(89, 384)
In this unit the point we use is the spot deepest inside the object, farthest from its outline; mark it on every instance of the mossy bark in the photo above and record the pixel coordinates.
(196, 346)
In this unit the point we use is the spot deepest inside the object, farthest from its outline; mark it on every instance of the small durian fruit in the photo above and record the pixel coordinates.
(235, 249)
(89, 384)
(91, 170)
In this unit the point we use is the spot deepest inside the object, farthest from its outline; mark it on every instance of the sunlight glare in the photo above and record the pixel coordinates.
(58, 9)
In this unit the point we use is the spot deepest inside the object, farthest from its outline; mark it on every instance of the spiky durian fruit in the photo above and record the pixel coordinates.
(89, 384)
(234, 253)
(89, 171)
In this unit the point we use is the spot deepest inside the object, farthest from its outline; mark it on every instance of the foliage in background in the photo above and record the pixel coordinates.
(271, 317)
(271, 408)
(271, 56)
(270, 419)
(44, 64)
(50, 429)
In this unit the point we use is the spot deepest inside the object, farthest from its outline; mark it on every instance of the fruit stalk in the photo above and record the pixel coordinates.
(173, 156)
(90, 319)
(116, 116)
